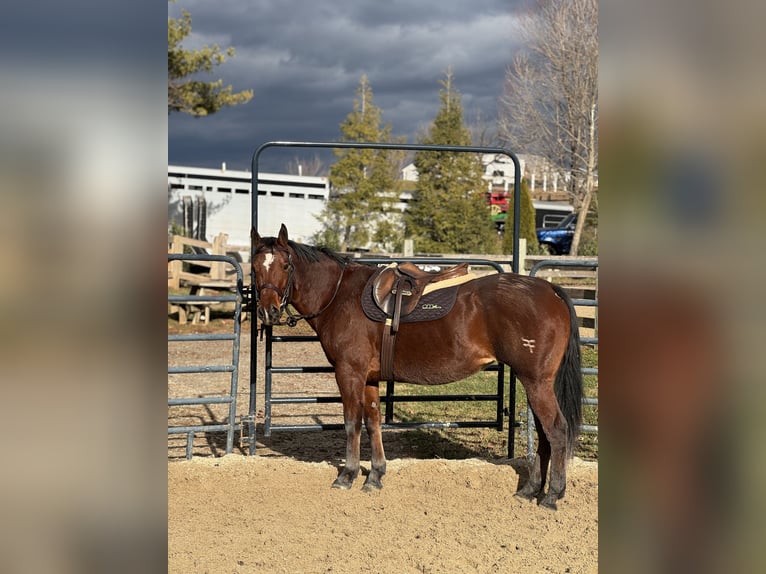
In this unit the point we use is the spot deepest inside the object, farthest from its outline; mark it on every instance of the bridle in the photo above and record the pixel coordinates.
(284, 296)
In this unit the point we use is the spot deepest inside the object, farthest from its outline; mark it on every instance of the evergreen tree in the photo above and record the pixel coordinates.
(448, 211)
(363, 182)
(196, 97)
(527, 226)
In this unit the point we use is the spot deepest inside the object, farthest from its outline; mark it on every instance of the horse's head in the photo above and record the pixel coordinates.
(273, 267)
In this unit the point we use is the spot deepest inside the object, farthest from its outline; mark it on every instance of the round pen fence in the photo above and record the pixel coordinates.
(195, 301)
(587, 265)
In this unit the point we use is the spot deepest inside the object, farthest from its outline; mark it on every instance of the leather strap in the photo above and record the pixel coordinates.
(398, 305)
(390, 328)
(387, 353)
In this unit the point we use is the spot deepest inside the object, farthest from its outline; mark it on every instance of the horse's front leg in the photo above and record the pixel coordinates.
(372, 422)
(351, 392)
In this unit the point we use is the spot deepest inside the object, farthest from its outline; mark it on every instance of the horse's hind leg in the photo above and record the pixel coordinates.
(372, 422)
(554, 427)
(538, 470)
(352, 416)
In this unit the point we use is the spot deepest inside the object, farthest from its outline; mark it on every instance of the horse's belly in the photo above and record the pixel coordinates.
(425, 374)
(437, 361)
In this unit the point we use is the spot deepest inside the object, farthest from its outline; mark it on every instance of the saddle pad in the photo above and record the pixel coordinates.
(431, 306)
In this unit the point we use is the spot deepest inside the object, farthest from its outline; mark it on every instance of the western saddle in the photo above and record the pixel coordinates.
(397, 292)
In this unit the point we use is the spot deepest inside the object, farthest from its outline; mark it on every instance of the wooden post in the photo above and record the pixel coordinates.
(218, 269)
(174, 280)
(522, 255)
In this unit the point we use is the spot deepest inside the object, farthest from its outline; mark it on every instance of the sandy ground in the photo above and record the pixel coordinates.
(262, 514)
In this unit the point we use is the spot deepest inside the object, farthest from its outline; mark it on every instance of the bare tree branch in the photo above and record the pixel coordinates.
(550, 102)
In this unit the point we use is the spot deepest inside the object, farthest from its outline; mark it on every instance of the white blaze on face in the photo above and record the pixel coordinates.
(268, 260)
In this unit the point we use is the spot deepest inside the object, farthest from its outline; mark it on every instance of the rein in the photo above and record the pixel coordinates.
(293, 318)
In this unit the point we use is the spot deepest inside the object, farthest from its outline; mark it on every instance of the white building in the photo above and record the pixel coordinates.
(541, 174)
(409, 172)
(498, 170)
(225, 197)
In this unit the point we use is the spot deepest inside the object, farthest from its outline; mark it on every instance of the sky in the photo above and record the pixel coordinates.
(304, 59)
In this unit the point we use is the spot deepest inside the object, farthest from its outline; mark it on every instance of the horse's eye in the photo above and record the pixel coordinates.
(286, 267)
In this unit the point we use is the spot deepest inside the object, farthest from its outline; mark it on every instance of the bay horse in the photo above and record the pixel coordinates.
(524, 322)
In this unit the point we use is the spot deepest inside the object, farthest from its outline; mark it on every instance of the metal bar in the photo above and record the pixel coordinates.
(335, 399)
(499, 397)
(295, 338)
(431, 261)
(584, 302)
(306, 369)
(203, 298)
(387, 426)
(199, 428)
(235, 361)
(512, 423)
(199, 401)
(202, 369)
(203, 337)
(589, 370)
(441, 398)
(390, 399)
(267, 381)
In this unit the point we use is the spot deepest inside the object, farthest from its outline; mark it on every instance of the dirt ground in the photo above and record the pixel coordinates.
(275, 512)
(261, 514)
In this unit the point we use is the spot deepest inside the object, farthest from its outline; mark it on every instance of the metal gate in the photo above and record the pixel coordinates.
(390, 398)
(230, 398)
(593, 341)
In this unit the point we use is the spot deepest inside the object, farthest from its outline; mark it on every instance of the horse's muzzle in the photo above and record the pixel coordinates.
(270, 315)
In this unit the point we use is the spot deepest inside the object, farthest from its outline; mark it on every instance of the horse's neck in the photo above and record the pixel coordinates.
(315, 284)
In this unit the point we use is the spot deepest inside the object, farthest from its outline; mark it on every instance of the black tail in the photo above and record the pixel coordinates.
(568, 385)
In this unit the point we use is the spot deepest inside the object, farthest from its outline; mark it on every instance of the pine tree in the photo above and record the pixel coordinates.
(363, 182)
(448, 211)
(195, 96)
(527, 226)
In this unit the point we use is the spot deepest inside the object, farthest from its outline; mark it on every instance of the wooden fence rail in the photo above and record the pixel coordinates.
(215, 270)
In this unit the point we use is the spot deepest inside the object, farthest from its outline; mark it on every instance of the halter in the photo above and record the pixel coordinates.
(293, 318)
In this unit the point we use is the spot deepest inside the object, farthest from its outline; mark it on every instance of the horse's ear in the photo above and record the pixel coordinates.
(282, 239)
(255, 239)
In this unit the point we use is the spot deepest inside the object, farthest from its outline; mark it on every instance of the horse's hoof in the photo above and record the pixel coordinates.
(341, 484)
(549, 504)
(371, 486)
(526, 494)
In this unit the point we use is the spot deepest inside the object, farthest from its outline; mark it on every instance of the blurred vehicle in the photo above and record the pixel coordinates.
(558, 240)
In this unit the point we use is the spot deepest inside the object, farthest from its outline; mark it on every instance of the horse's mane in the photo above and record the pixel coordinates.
(308, 253)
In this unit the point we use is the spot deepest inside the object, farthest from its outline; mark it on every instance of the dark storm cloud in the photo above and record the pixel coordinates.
(304, 61)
